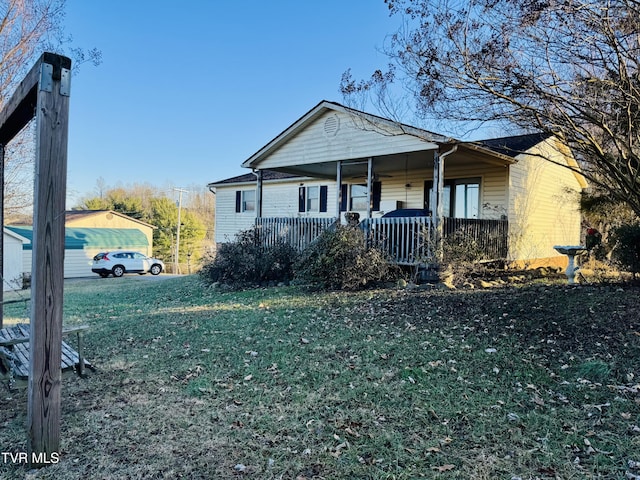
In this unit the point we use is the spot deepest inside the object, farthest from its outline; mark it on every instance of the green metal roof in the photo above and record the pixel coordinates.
(81, 238)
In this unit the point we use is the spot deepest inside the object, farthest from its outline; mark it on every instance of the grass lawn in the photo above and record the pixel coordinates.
(536, 382)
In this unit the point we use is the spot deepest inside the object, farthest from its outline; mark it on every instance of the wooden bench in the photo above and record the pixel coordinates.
(14, 354)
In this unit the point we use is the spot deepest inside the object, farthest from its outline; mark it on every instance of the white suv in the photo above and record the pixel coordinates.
(119, 262)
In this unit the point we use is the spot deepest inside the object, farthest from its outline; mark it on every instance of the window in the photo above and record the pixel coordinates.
(245, 201)
(355, 197)
(359, 198)
(312, 199)
(461, 197)
(467, 198)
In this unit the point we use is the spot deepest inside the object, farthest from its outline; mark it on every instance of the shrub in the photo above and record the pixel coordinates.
(460, 247)
(245, 262)
(626, 247)
(341, 259)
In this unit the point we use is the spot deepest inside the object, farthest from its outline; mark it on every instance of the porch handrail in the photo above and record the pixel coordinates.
(406, 240)
(485, 239)
(411, 240)
(298, 232)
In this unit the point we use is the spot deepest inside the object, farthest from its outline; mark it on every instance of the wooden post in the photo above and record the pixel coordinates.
(2, 243)
(47, 273)
(438, 186)
(437, 207)
(369, 185)
(258, 174)
(45, 90)
(338, 189)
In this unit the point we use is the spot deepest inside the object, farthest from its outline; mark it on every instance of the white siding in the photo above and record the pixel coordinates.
(354, 138)
(493, 191)
(12, 263)
(228, 222)
(77, 263)
(280, 199)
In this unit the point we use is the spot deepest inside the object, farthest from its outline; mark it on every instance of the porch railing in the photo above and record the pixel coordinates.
(297, 232)
(474, 238)
(411, 240)
(406, 240)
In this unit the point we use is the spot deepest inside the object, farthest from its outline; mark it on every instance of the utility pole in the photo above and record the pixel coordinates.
(177, 259)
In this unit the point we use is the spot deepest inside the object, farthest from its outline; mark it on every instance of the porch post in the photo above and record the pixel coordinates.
(437, 213)
(338, 188)
(258, 175)
(2, 223)
(369, 184)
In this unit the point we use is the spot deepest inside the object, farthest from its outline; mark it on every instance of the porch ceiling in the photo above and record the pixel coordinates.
(465, 155)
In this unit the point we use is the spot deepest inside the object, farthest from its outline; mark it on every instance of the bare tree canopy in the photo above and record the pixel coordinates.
(569, 68)
(27, 29)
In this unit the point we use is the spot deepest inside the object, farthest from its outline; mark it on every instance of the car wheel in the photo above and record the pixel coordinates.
(118, 271)
(155, 269)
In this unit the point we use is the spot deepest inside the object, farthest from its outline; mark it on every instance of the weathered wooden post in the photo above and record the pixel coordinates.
(2, 227)
(438, 200)
(44, 93)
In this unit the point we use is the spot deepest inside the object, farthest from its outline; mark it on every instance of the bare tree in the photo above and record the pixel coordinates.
(27, 28)
(570, 68)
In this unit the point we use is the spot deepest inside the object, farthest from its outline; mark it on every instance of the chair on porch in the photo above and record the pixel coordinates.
(14, 354)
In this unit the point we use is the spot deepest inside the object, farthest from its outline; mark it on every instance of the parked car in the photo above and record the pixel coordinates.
(119, 262)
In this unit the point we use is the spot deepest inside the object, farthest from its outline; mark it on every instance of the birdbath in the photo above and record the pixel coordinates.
(570, 251)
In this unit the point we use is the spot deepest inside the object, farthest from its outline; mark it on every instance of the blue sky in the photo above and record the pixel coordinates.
(189, 90)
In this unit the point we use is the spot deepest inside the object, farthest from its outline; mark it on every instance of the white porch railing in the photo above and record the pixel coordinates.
(406, 240)
(297, 232)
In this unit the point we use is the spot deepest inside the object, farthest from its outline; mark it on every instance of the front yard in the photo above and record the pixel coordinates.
(541, 381)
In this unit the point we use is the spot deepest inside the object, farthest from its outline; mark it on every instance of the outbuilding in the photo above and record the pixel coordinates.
(82, 244)
(12, 276)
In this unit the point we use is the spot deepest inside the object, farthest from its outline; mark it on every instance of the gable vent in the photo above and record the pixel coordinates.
(331, 126)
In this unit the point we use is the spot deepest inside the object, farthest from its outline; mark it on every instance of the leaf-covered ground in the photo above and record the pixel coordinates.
(539, 381)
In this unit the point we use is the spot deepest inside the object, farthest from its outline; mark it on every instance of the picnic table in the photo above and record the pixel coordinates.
(14, 354)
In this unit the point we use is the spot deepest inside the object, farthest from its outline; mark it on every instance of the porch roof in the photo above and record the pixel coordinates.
(309, 148)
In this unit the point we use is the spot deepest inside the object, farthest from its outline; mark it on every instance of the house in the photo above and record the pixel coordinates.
(82, 244)
(12, 260)
(110, 219)
(515, 196)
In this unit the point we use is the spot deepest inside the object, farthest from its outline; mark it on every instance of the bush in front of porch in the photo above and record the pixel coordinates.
(245, 262)
(341, 259)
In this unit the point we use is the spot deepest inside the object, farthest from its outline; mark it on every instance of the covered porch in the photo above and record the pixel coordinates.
(371, 165)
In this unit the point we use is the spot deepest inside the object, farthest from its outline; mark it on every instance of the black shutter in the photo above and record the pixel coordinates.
(376, 191)
(301, 199)
(428, 185)
(323, 198)
(238, 201)
(344, 197)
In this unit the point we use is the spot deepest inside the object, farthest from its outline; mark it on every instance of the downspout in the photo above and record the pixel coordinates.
(438, 170)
